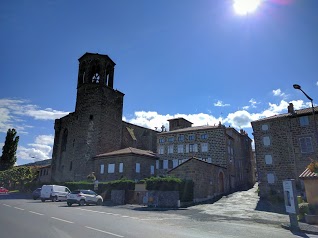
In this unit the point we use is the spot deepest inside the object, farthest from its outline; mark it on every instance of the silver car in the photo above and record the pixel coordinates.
(82, 197)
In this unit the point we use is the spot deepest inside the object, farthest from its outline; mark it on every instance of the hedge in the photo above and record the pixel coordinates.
(185, 187)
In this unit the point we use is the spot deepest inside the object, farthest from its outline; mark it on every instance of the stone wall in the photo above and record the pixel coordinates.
(206, 178)
(282, 159)
(129, 167)
(164, 199)
(118, 197)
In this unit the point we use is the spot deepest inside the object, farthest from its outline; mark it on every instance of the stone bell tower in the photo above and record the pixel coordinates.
(96, 125)
(98, 106)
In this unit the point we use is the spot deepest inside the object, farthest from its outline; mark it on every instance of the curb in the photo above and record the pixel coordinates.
(309, 230)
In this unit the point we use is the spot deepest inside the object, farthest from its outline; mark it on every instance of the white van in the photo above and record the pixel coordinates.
(54, 193)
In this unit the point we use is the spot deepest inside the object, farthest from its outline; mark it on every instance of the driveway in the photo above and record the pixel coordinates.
(245, 206)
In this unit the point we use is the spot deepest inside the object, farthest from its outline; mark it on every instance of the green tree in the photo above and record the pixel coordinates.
(8, 158)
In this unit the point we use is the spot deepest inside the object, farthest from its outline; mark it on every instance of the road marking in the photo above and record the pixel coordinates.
(109, 233)
(6, 205)
(61, 220)
(36, 213)
(19, 208)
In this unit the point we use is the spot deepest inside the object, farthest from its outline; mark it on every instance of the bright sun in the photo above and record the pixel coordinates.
(244, 7)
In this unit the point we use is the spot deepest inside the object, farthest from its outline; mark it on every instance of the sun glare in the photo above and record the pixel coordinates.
(244, 7)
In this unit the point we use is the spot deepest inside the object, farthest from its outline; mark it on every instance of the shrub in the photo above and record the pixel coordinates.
(303, 209)
(185, 187)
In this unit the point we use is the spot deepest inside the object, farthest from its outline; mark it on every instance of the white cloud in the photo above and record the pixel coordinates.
(41, 149)
(238, 119)
(13, 114)
(253, 104)
(279, 93)
(153, 119)
(317, 83)
(221, 104)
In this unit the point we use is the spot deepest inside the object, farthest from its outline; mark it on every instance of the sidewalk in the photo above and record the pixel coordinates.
(247, 206)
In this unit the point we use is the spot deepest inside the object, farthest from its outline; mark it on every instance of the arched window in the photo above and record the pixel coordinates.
(64, 140)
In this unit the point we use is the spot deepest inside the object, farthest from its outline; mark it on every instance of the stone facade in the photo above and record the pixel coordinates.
(209, 179)
(214, 144)
(130, 163)
(96, 126)
(283, 145)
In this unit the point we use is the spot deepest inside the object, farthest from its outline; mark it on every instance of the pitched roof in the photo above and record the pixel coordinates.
(307, 174)
(195, 128)
(196, 159)
(300, 112)
(128, 150)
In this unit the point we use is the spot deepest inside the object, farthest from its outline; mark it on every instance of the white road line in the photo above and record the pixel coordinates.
(6, 205)
(103, 231)
(124, 216)
(19, 208)
(61, 220)
(36, 213)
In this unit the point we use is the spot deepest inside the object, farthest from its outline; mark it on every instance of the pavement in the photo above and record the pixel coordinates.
(247, 206)
(242, 206)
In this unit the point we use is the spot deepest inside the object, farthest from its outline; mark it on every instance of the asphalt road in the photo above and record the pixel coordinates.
(27, 218)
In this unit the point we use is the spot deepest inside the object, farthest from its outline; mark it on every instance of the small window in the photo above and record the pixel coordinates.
(161, 150)
(170, 139)
(204, 147)
(71, 165)
(152, 169)
(191, 137)
(306, 145)
(209, 160)
(270, 178)
(193, 148)
(304, 121)
(268, 159)
(91, 117)
(137, 167)
(170, 149)
(111, 168)
(265, 127)
(204, 136)
(174, 163)
(161, 140)
(121, 167)
(101, 168)
(181, 138)
(165, 164)
(266, 141)
(157, 164)
(180, 148)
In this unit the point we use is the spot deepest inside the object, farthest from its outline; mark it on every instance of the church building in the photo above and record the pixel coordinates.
(87, 139)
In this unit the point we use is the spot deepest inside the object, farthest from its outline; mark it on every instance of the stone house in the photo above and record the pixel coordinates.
(44, 174)
(216, 145)
(96, 126)
(284, 144)
(130, 163)
(209, 179)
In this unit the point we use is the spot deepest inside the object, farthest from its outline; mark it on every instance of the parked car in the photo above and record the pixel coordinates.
(36, 193)
(54, 193)
(83, 196)
(3, 190)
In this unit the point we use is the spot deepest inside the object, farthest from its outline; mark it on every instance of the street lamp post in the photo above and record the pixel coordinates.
(296, 86)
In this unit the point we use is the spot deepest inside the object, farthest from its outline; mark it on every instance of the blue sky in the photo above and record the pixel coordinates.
(196, 59)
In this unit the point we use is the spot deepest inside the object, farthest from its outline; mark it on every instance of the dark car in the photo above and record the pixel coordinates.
(36, 193)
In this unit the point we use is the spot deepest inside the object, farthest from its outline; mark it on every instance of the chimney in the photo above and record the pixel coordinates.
(290, 108)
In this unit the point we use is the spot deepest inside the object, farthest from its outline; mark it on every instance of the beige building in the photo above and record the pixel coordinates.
(284, 144)
(215, 145)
